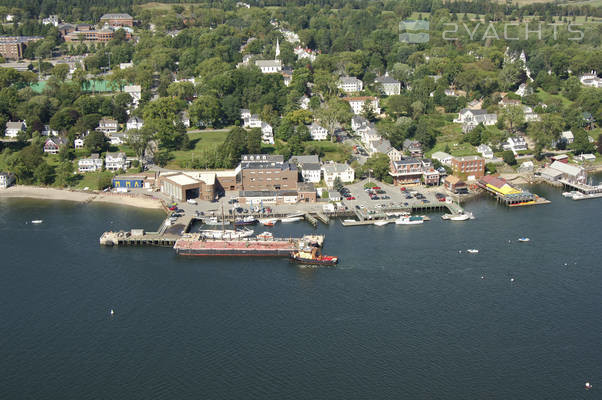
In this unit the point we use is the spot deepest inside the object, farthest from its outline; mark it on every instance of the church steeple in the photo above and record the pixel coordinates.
(277, 49)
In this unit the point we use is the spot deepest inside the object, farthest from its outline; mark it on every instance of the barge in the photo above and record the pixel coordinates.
(196, 245)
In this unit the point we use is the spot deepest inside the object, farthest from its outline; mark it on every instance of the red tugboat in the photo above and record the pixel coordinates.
(312, 256)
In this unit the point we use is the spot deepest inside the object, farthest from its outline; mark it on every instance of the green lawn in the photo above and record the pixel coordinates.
(546, 97)
(332, 151)
(204, 140)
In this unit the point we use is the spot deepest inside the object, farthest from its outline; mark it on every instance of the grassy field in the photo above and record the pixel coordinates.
(201, 141)
(332, 151)
(547, 97)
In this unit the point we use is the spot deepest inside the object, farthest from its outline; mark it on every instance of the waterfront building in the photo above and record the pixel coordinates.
(454, 184)
(53, 145)
(182, 186)
(6, 179)
(350, 84)
(471, 166)
(267, 197)
(563, 158)
(13, 129)
(267, 172)
(407, 171)
(129, 182)
(571, 173)
(389, 85)
(503, 190)
(91, 164)
(334, 170)
(333, 195)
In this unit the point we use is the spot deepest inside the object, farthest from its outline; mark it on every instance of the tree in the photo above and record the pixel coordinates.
(515, 115)
(508, 157)
(474, 136)
(547, 131)
(138, 140)
(338, 184)
(379, 164)
(205, 111)
(334, 112)
(581, 143)
(254, 141)
(43, 173)
(162, 158)
(96, 142)
(64, 173)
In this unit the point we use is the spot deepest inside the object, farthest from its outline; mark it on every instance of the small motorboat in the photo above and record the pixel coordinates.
(472, 251)
(265, 236)
(408, 220)
(268, 221)
(568, 194)
(37, 221)
(588, 386)
(312, 256)
(381, 222)
(211, 221)
(250, 220)
(112, 312)
(291, 219)
(524, 239)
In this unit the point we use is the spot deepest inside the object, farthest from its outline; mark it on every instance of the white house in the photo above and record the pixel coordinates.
(117, 139)
(357, 103)
(333, 170)
(252, 121)
(485, 151)
(51, 20)
(78, 143)
(90, 164)
(14, 128)
(108, 125)
(368, 135)
(524, 90)
(304, 102)
(267, 133)
(126, 65)
(302, 52)
(474, 116)
(515, 144)
(384, 146)
(567, 137)
(442, 157)
(116, 161)
(245, 113)
(350, 84)
(389, 85)
(48, 131)
(53, 145)
(311, 170)
(317, 132)
(135, 91)
(184, 118)
(134, 123)
(269, 66)
(6, 179)
(591, 80)
(357, 121)
(529, 115)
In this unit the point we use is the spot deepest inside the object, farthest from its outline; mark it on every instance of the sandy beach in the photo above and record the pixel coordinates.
(34, 192)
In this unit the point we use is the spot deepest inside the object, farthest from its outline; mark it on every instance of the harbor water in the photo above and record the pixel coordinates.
(407, 314)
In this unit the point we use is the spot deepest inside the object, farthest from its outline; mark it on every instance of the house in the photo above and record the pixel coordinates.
(413, 148)
(269, 66)
(586, 157)
(389, 85)
(48, 131)
(442, 157)
(591, 80)
(506, 102)
(309, 166)
(384, 146)
(287, 75)
(117, 139)
(333, 170)
(134, 123)
(126, 65)
(567, 137)
(530, 115)
(333, 195)
(407, 171)
(13, 129)
(317, 132)
(358, 103)
(485, 151)
(450, 92)
(357, 121)
(524, 90)
(571, 173)
(53, 145)
(563, 158)
(6, 179)
(184, 118)
(303, 52)
(350, 84)
(91, 164)
(471, 166)
(267, 133)
(135, 91)
(304, 102)
(108, 125)
(551, 174)
(116, 161)
(78, 143)
(245, 113)
(515, 144)
(454, 184)
(470, 118)
(368, 134)
(526, 166)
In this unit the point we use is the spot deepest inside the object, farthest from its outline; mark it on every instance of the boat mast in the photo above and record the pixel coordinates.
(223, 227)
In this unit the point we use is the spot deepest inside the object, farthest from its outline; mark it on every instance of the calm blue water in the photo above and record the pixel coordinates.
(405, 316)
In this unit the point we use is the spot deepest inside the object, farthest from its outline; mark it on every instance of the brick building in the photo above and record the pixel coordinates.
(469, 166)
(13, 47)
(117, 20)
(265, 172)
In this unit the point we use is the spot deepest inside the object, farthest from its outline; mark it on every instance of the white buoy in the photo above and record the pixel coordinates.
(565, 264)
(482, 276)
(588, 386)
(112, 312)
(511, 279)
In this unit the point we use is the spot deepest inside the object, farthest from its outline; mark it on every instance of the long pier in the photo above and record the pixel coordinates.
(581, 187)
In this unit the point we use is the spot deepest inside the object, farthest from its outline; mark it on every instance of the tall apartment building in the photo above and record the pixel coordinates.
(469, 165)
(12, 47)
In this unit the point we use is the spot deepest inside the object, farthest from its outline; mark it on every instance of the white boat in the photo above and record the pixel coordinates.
(568, 194)
(265, 236)
(408, 220)
(472, 251)
(524, 239)
(228, 234)
(268, 221)
(381, 222)
(211, 221)
(37, 221)
(578, 195)
(291, 219)
(349, 220)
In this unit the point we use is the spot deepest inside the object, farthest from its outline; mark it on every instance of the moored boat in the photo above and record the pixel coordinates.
(250, 220)
(291, 219)
(472, 251)
(211, 221)
(312, 257)
(409, 220)
(268, 221)
(381, 222)
(227, 234)
(524, 239)
(266, 236)
(37, 221)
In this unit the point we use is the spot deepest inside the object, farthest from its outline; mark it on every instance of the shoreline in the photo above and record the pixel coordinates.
(43, 193)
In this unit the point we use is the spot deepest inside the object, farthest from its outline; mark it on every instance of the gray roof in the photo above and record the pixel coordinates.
(266, 158)
(335, 167)
(473, 111)
(267, 63)
(14, 125)
(407, 160)
(116, 16)
(265, 193)
(386, 79)
(135, 119)
(349, 79)
(310, 166)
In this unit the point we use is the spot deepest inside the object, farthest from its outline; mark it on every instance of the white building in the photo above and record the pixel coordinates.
(135, 91)
(134, 123)
(591, 80)
(117, 139)
(252, 121)
(51, 20)
(384, 146)
(350, 84)
(368, 135)
(14, 128)
(269, 66)
(515, 144)
(333, 170)
(567, 137)
(572, 173)
(126, 65)
(311, 170)
(6, 179)
(524, 90)
(485, 151)
(108, 125)
(357, 104)
(304, 103)
(389, 85)
(442, 157)
(48, 131)
(474, 116)
(317, 132)
(54, 145)
(267, 133)
(116, 161)
(357, 121)
(78, 143)
(184, 118)
(91, 164)
(305, 53)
